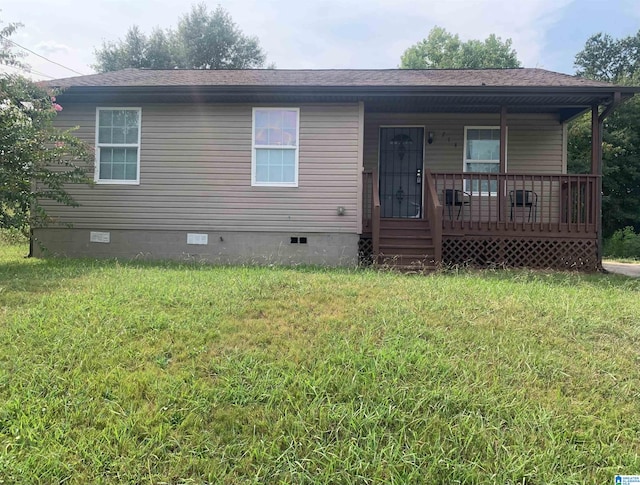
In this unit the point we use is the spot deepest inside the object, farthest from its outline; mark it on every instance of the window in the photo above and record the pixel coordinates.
(482, 154)
(275, 147)
(118, 146)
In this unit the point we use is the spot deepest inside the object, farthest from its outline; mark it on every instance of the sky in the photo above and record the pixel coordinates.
(324, 34)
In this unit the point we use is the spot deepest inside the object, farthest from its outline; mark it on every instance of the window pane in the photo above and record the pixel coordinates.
(131, 155)
(275, 173)
(483, 167)
(131, 135)
(275, 119)
(131, 118)
(104, 135)
(118, 135)
(275, 165)
(106, 155)
(262, 119)
(119, 118)
(274, 136)
(262, 173)
(131, 171)
(105, 171)
(117, 170)
(289, 158)
(118, 154)
(288, 174)
(104, 117)
(290, 119)
(289, 137)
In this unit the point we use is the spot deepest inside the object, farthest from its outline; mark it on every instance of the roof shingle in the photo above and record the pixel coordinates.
(524, 77)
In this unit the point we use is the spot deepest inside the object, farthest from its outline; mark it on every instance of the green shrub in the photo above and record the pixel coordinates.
(13, 236)
(624, 243)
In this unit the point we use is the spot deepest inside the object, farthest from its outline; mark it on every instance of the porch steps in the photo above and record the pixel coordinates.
(406, 245)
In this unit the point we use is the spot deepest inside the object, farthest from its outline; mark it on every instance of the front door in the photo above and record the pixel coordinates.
(401, 152)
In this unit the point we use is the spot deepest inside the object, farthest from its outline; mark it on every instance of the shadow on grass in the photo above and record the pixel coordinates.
(34, 275)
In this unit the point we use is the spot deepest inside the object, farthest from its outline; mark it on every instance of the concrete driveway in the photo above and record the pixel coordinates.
(628, 269)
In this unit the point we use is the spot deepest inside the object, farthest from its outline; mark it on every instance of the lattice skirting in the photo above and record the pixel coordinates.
(365, 251)
(521, 252)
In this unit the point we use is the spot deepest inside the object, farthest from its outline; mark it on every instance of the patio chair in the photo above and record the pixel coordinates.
(524, 199)
(456, 198)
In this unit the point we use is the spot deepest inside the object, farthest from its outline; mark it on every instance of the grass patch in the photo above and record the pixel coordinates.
(143, 372)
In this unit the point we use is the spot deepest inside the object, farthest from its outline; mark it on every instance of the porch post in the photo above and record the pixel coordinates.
(596, 169)
(502, 196)
(596, 145)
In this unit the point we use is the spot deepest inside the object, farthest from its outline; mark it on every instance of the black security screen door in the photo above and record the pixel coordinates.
(401, 150)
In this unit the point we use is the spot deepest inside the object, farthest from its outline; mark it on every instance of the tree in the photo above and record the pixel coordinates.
(618, 61)
(202, 40)
(442, 50)
(37, 160)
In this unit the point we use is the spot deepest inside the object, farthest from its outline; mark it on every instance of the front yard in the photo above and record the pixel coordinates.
(114, 372)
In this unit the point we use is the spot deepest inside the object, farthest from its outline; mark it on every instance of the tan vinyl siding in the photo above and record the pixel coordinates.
(195, 173)
(534, 142)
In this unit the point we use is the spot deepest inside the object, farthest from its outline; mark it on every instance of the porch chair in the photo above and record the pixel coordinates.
(457, 198)
(524, 198)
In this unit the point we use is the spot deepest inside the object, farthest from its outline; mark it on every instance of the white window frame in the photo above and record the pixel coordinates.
(254, 147)
(467, 188)
(96, 172)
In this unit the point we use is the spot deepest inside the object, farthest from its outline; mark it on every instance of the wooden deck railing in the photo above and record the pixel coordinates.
(434, 214)
(518, 202)
(470, 202)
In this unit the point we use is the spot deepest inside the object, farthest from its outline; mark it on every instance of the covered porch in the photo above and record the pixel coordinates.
(482, 185)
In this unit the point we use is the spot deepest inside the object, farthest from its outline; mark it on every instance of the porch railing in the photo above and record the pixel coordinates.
(518, 202)
(544, 203)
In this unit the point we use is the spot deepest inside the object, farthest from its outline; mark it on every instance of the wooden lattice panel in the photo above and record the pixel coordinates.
(521, 252)
(365, 251)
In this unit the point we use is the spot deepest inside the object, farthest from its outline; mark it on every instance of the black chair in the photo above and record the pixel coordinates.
(524, 198)
(456, 198)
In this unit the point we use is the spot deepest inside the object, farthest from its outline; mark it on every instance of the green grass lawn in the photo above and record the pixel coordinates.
(114, 372)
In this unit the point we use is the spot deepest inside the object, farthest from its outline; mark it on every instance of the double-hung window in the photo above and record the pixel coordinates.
(275, 147)
(118, 145)
(482, 154)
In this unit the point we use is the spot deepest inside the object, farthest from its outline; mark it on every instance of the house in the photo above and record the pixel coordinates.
(324, 166)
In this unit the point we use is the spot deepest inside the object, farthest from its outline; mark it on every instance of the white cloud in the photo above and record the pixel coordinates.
(51, 47)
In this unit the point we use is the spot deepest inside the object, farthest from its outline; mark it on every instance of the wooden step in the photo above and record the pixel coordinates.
(423, 251)
(404, 224)
(407, 262)
(401, 239)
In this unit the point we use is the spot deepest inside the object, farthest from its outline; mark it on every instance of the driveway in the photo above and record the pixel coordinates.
(628, 269)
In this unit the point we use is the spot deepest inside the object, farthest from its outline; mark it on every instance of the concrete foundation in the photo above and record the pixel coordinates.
(223, 247)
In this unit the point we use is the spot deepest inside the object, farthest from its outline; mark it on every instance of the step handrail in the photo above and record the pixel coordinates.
(434, 213)
(375, 215)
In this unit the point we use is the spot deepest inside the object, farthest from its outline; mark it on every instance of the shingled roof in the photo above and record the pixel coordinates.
(454, 78)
